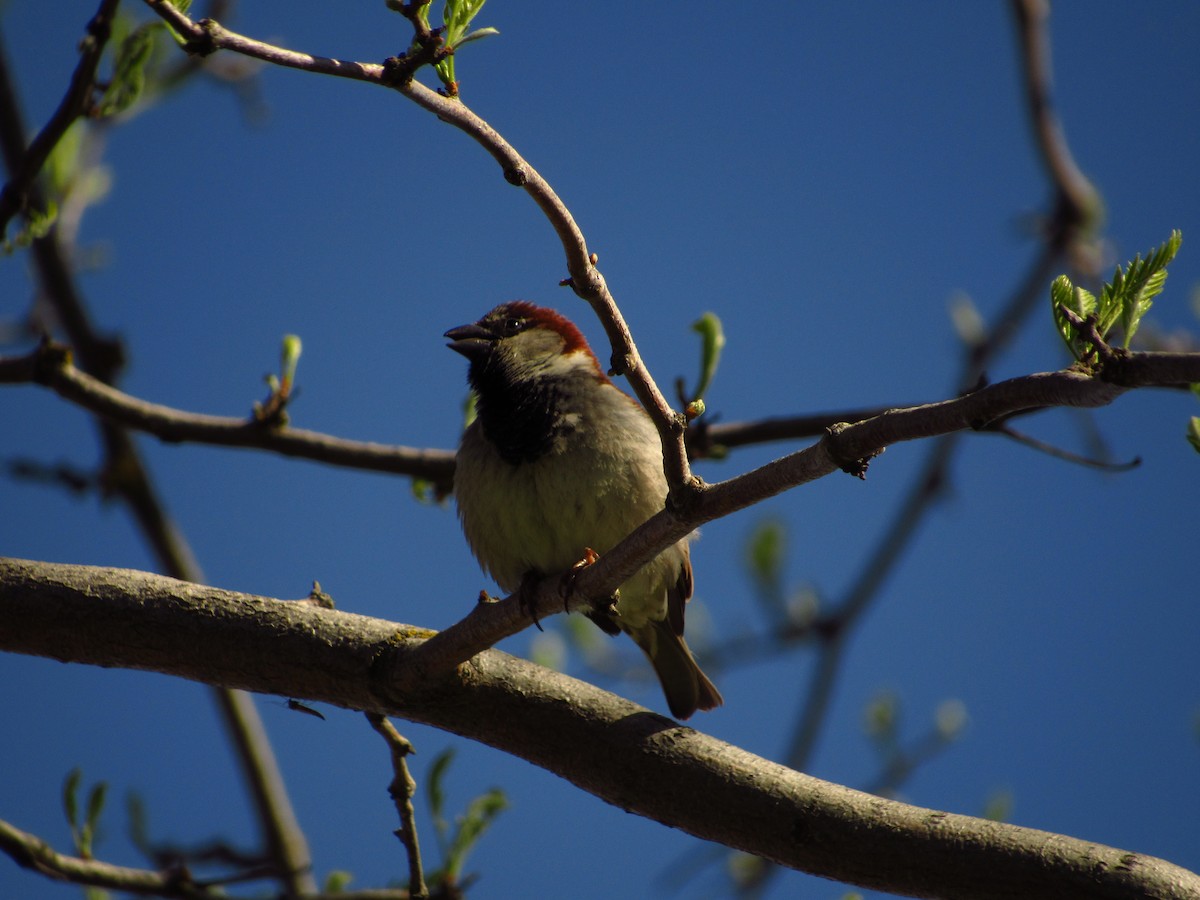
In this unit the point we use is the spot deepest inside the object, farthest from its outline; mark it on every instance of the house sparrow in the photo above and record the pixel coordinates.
(560, 461)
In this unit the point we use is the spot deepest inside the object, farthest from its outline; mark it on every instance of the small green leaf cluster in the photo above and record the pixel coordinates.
(132, 58)
(1122, 302)
(281, 385)
(83, 831)
(37, 225)
(469, 826)
(128, 80)
(456, 31)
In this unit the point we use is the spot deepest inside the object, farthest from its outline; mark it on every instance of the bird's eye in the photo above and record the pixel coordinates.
(513, 325)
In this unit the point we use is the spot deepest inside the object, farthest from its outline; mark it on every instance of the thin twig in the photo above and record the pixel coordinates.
(20, 190)
(51, 365)
(1061, 452)
(32, 852)
(1078, 198)
(401, 789)
(703, 436)
(99, 354)
(206, 36)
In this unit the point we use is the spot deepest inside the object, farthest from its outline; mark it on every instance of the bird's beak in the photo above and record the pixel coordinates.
(472, 341)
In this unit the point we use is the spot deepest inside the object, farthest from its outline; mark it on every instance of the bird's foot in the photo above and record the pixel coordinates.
(525, 594)
(566, 585)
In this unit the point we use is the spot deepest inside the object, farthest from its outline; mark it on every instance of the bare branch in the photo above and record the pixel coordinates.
(51, 365)
(401, 790)
(207, 36)
(1078, 200)
(703, 436)
(843, 447)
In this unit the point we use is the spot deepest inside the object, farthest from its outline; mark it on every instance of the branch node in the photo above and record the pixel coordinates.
(50, 359)
(204, 42)
(848, 463)
(619, 363)
(516, 176)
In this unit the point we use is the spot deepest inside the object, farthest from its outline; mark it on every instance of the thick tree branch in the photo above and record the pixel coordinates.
(127, 477)
(622, 753)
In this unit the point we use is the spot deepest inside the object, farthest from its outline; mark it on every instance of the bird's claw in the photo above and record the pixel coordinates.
(566, 586)
(525, 594)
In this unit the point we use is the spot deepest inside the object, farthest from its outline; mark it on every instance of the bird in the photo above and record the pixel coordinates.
(560, 464)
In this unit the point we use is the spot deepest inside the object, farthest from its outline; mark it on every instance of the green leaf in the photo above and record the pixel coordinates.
(71, 798)
(765, 552)
(139, 823)
(456, 20)
(1124, 300)
(1144, 282)
(950, 719)
(96, 803)
(129, 71)
(477, 34)
(999, 806)
(881, 718)
(38, 224)
(1064, 295)
(433, 788)
(474, 822)
(91, 824)
(1193, 433)
(337, 881)
(63, 164)
(422, 490)
(445, 71)
(289, 357)
(458, 16)
(83, 833)
(712, 342)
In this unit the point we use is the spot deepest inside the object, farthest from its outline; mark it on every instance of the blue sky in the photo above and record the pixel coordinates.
(825, 178)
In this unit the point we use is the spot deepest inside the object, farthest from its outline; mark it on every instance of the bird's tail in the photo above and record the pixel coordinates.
(686, 687)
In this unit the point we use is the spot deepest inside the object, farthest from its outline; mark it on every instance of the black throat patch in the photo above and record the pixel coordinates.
(522, 417)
